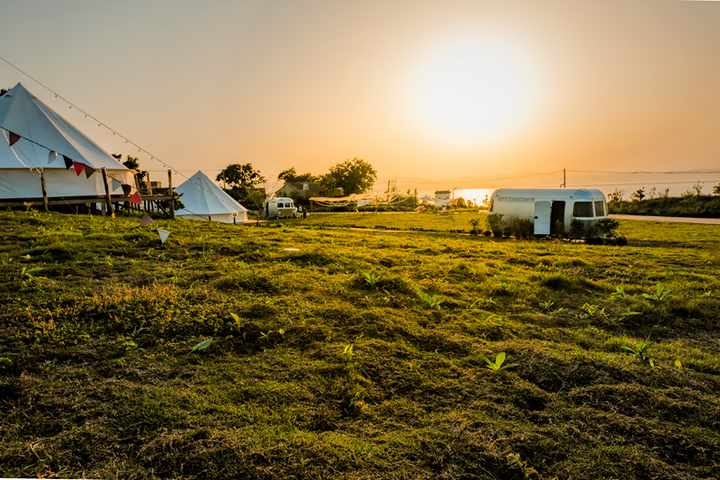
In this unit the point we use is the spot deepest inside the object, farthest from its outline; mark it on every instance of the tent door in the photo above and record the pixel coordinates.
(542, 218)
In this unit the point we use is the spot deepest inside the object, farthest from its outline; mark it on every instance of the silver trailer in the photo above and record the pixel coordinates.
(545, 207)
(279, 207)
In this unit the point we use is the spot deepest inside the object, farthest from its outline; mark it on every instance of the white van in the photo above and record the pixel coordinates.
(280, 207)
(547, 206)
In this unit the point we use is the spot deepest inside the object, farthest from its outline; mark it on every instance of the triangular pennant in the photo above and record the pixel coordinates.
(14, 137)
(78, 167)
(89, 171)
(115, 183)
(163, 235)
(126, 189)
(68, 162)
(52, 156)
(145, 220)
(136, 199)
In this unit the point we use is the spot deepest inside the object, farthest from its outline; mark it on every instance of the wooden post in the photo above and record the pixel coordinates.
(150, 204)
(108, 207)
(172, 195)
(44, 190)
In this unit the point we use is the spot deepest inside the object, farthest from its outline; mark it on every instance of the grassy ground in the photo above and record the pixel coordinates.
(344, 354)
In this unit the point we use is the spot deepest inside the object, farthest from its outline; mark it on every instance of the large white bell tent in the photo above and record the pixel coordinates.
(33, 136)
(204, 200)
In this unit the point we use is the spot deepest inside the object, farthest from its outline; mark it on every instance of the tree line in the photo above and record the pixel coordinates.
(246, 184)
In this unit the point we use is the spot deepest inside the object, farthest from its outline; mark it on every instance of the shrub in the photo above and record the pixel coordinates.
(494, 222)
(522, 228)
(577, 229)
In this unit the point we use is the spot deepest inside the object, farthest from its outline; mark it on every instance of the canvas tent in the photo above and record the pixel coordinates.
(42, 131)
(204, 200)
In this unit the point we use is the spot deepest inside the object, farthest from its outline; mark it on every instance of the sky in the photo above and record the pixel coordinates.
(456, 93)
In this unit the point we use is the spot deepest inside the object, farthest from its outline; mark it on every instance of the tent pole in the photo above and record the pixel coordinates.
(172, 195)
(44, 190)
(108, 208)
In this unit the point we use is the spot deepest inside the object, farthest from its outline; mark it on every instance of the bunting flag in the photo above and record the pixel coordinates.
(89, 171)
(136, 199)
(115, 183)
(68, 162)
(163, 235)
(145, 221)
(126, 189)
(52, 156)
(14, 137)
(79, 167)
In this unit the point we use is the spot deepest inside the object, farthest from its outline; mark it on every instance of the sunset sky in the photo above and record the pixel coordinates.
(423, 90)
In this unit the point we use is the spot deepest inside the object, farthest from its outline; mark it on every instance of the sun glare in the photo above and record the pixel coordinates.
(473, 92)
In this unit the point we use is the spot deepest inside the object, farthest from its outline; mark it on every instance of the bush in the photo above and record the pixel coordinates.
(494, 222)
(577, 229)
(522, 228)
(607, 228)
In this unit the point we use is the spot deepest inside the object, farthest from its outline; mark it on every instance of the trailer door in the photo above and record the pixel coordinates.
(542, 218)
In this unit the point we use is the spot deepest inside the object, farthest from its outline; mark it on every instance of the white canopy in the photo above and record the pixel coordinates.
(41, 131)
(204, 200)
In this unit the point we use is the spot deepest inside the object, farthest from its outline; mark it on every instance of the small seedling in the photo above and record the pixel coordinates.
(371, 278)
(659, 296)
(433, 301)
(347, 352)
(202, 345)
(499, 363)
(618, 294)
(546, 305)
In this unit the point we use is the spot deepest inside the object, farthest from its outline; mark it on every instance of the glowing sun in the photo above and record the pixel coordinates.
(473, 91)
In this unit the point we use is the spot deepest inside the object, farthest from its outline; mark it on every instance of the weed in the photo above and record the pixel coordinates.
(618, 294)
(546, 305)
(514, 461)
(202, 345)
(347, 353)
(432, 301)
(642, 352)
(499, 363)
(659, 296)
(371, 278)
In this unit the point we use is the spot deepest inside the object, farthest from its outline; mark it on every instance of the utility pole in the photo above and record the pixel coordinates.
(564, 184)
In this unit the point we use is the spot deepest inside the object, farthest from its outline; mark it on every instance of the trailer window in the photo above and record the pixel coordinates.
(599, 208)
(583, 209)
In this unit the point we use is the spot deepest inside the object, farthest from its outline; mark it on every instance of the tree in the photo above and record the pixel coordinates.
(291, 175)
(716, 189)
(133, 163)
(350, 177)
(638, 195)
(242, 180)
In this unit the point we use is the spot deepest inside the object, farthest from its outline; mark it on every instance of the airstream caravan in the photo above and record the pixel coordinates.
(280, 207)
(545, 207)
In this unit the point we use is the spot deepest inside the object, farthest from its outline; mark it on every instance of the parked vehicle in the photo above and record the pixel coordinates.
(550, 208)
(279, 207)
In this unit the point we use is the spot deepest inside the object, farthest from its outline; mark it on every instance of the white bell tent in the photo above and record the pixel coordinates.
(204, 200)
(49, 142)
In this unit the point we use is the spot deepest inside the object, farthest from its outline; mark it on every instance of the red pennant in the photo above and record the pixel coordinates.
(145, 220)
(89, 171)
(78, 167)
(14, 137)
(136, 199)
(68, 162)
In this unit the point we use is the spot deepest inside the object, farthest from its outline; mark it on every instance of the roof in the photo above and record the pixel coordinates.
(41, 129)
(201, 196)
(550, 193)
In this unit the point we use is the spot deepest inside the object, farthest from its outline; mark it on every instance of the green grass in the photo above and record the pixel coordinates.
(315, 372)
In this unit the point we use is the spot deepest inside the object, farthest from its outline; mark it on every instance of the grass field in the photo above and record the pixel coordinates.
(296, 350)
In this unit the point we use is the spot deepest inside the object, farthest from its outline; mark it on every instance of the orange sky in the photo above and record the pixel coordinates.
(422, 89)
